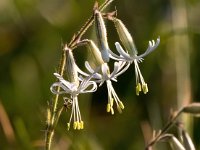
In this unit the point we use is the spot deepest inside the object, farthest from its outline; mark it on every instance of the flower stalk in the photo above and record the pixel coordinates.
(54, 117)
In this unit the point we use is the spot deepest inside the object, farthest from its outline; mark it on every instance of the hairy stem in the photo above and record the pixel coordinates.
(55, 115)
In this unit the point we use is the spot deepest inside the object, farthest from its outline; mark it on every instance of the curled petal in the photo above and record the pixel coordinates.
(58, 84)
(65, 84)
(152, 46)
(123, 70)
(92, 71)
(91, 84)
(122, 52)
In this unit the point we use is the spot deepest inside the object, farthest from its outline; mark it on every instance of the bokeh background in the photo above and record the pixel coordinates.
(31, 33)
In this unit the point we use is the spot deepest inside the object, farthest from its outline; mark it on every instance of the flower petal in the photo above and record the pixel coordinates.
(122, 52)
(152, 46)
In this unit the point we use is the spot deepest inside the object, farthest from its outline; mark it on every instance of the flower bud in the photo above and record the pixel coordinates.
(71, 68)
(101, 34)
(96, 55)
(193, 108)
(125, 37)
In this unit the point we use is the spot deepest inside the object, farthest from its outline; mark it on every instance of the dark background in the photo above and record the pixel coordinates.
(31, 32)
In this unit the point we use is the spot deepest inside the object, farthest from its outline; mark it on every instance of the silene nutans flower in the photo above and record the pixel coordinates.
(74, 86)
(130, 53)
(102, 74)
(101, 34)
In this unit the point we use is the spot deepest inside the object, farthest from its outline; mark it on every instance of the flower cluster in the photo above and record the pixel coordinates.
(76, 81)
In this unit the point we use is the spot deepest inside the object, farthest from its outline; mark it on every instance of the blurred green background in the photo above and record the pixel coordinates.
(31, 32)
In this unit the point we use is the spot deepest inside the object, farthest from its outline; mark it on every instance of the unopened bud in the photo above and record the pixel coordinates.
(125, 37)
(193, 108)
(101, 35)
(112, 111)
(75, 125)
(145, 88)
(71, 68)
(138, 88)
(96, 54)
(108, 108)
(82, 124)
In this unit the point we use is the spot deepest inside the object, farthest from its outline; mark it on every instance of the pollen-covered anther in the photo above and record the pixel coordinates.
(112, 111)
(108, 107)
(145, 88)
(81, 124)
(75, 125)
(121, 105)
(101, 34)
(95, 52)
(138, 88)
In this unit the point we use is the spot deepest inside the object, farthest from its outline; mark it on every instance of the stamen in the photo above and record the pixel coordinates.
(121, 105)
(68, 126)
(138, 89)
(82, 124)
(112, 111)
(108, 107)
(75, 125)
(145, 88)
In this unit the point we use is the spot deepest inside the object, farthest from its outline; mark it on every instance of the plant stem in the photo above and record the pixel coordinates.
(164, 130)
(55, 115)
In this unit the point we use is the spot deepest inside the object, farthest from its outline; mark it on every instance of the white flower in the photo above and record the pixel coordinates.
(126, 57)
(86, 86)
(105, 76)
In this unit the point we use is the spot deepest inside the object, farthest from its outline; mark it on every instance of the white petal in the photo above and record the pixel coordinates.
(152, 46)
(58, 84)
(92, 71)
(88, 84)
(122, 52)
(63, 81)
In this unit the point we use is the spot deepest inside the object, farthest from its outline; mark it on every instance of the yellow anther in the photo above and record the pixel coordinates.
(145, 88)
(68, 126)
(108, 108)
(78, 125)
(75, 125)
(139, 87)
(82, 124)
(121, 105)
(112, 111)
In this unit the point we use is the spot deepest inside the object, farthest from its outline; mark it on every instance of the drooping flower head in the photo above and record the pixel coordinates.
(101, 73)
(73, 87)
(130, 53)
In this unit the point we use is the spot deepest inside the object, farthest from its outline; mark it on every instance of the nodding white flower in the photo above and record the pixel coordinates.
(124, 56)
(74, 86)
(105, 76)
(71, 88)
(130, 53)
